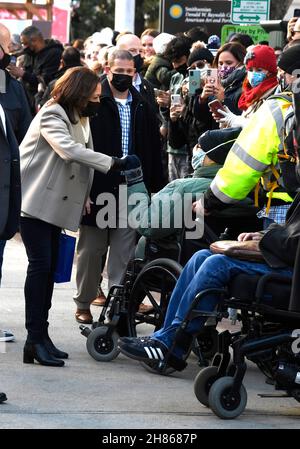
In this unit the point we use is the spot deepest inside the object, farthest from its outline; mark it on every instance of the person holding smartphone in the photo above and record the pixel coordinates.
(260, 83)
(295, 29)
(227, 88)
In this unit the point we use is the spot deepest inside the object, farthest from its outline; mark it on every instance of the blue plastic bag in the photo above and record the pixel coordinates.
(65, 258)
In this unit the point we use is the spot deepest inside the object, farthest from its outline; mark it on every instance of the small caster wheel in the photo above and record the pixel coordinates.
(101, 347)
(223, 402)
(203, 383)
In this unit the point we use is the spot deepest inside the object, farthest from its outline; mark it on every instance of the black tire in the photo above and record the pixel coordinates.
(101, 347)
(203, 383)
(207, 340)
(223, 403)
(158, 276)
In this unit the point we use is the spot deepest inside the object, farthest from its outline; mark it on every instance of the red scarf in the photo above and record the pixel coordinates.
(251, 94)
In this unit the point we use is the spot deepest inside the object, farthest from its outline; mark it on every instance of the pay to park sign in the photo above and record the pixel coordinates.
(249, 11)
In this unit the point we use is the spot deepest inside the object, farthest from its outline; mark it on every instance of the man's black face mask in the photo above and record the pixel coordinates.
(4, 62)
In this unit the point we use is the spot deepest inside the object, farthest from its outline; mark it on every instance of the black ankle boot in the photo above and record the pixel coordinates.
(39, 353)
(3, 397)
(53, 350)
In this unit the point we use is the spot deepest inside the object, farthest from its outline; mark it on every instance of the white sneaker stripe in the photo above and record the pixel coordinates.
(153, 350)
(148, 353)
(160, 353)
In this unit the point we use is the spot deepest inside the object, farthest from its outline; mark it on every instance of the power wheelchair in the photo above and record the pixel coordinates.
(152, 276)
(269, 313)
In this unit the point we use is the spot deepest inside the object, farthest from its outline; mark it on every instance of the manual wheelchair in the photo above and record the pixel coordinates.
(152, 276)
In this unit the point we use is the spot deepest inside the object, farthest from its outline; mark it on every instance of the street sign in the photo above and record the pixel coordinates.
(249, 11)
(178, 16)
(256, 32)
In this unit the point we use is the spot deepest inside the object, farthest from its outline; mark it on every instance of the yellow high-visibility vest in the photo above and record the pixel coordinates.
(255, 154)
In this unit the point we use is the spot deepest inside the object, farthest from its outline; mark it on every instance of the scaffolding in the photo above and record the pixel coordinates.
(31, 7)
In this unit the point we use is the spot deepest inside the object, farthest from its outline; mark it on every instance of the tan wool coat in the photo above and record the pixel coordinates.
(57, 168)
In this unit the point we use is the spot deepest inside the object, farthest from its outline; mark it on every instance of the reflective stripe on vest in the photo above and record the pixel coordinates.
(247, 159)
(248, 162)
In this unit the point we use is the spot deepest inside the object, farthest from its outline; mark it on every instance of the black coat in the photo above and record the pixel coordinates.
(279, 244)
(41, 67)
(16, 106)
(145, 143)
(233, 86)
(10, 183)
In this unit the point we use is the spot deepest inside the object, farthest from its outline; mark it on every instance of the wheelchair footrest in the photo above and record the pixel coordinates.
(274, 395)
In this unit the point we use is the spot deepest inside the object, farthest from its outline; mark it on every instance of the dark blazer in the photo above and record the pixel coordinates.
(16, 106)
(145, 143)
(10, 183)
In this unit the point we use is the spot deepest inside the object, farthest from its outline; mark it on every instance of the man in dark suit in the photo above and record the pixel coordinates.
(10, 186)
(14, 102)
(125, 124)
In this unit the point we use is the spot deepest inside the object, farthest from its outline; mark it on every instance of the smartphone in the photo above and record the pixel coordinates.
(212, 77)
(296, 13)
(214, 106)
(158, 92)
(175, 99)
(194, 81)
(13, 60)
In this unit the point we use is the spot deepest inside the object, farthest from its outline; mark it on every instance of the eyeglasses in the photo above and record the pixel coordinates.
(199, 64)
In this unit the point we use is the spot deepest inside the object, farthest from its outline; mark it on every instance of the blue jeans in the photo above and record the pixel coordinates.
(204, 270)
(2, 246)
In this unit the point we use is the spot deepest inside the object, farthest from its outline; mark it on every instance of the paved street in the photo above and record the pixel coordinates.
(92, 395)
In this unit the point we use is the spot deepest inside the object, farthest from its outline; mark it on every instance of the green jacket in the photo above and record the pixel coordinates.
(163, 214)
(160, 72)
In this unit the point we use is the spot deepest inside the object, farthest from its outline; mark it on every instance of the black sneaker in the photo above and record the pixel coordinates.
(3, 397)
(144, 350)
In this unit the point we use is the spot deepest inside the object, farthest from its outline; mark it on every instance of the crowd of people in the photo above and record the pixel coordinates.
(87, 115)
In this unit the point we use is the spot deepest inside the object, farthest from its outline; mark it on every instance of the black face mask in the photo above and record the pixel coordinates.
(90, 109)
(121, 82)
(182, 69)
(27, 51)
(138, 62)
(4, 61)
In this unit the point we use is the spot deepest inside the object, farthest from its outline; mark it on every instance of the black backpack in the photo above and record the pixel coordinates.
(289, 157)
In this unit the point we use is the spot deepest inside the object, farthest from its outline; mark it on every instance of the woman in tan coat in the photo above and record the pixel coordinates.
(57, 162)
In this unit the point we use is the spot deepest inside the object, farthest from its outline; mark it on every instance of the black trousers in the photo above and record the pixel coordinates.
(41, 241)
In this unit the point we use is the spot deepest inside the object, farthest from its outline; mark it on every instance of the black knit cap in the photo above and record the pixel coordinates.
(200, 54)
(289, 60)
(217, 143)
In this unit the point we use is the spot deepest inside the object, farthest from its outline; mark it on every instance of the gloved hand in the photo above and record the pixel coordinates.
(229, 119)
(130, 166)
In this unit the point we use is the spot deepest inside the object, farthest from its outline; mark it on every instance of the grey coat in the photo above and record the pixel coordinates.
(57, 168)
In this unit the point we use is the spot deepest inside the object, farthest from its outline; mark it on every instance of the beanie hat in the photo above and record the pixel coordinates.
(214, 41)
(160, 42)
(199, 54)
(289, 60)
(217, 142)
(261, 57)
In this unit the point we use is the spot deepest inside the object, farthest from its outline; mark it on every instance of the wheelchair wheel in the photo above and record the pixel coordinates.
(203, 383)
(101, 347)
(154, 284)
(225, 404)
